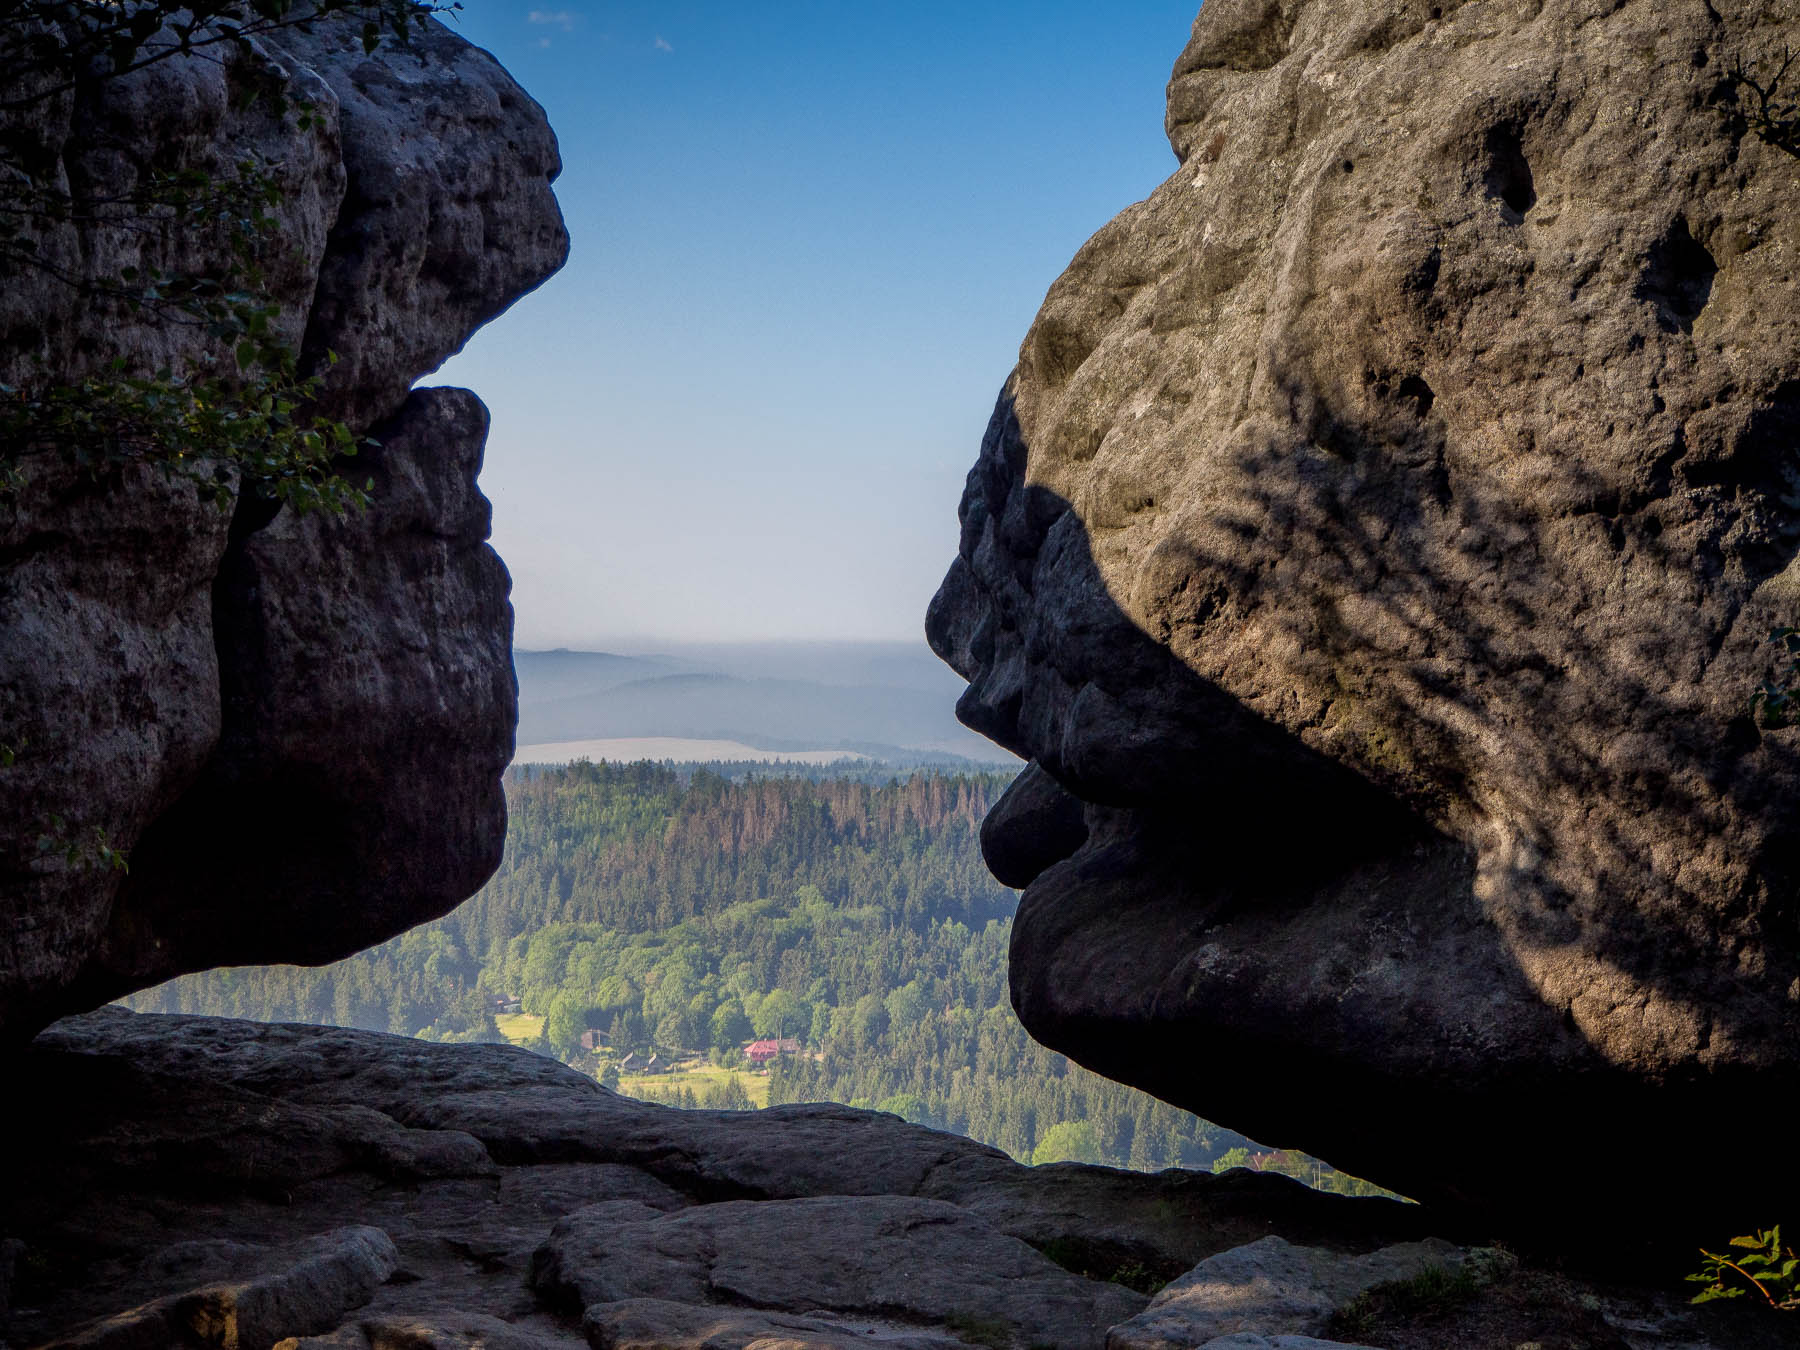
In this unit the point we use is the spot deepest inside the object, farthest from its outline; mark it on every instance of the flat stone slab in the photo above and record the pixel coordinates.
(268, 1294)
(436, 1329)
(657, 1324)
(1245, 1340)
(924, 1261)
(1268, 1288)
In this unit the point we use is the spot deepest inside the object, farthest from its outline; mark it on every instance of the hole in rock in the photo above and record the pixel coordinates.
(1414, 387)
(1508, 177)
(1741, 735)
(1677, 278)
(1754, 462)
(1759, 455)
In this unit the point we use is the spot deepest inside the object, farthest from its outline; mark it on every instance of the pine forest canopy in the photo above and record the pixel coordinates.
(683, 910)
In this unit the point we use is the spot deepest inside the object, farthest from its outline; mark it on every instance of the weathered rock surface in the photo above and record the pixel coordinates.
(175, 1154)
(1378, 537)
(1269, 1288)
(653, 1324)
(253, 1296)
(924, 1261)
(341, 1190)
(294, 728)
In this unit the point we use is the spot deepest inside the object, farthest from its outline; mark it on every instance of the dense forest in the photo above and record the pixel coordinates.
(654, 909)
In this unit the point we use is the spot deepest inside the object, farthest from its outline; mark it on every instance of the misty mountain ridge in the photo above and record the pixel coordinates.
(887, 700)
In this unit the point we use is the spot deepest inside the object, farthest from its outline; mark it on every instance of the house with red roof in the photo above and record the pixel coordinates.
(761, 1052)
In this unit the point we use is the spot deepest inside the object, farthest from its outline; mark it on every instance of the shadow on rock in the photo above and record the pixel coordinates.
(1420, 930)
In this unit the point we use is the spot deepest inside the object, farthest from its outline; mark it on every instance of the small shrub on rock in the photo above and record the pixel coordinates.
(1757, 1261)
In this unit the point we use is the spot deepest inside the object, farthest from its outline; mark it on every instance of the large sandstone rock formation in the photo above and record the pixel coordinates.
(198, 1181)
(211, 1183)
(1374, 550)
(294, 728)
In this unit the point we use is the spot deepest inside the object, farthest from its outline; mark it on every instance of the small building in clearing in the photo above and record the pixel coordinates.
(761, 1052)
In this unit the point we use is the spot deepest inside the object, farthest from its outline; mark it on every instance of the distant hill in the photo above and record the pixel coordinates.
(681, 912)
(888, 700)
(566, 674)
(678, 913)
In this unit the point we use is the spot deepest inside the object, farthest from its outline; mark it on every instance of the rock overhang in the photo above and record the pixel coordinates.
(1374, 544)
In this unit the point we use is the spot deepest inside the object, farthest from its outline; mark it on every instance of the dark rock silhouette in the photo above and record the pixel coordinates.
(294, 728)
(1379, 534)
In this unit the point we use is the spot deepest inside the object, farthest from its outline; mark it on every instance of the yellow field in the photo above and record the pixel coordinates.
(696, 1075)
(519, 1028)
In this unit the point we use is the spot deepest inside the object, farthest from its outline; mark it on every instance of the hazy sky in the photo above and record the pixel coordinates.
(808, 238)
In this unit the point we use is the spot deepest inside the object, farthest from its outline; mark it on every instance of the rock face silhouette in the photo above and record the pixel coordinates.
(294, 728)
(1377, 543)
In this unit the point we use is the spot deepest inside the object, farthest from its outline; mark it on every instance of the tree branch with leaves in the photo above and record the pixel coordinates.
(243, 415)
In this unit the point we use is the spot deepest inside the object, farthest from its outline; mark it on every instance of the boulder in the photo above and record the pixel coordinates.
(1269, 1288)
(1377, 544)
(263, 1295)
(292, 729)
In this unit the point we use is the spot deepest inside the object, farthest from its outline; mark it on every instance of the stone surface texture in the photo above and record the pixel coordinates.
(524, 1207)
(1377, 543)
(926, 1261)
(1269, 1288)
(294, 728)
(652, 1324)
(265, 1295)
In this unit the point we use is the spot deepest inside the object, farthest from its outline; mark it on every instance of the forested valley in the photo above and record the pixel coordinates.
(845, 916)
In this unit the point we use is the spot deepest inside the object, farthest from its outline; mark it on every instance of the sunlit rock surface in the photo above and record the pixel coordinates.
(1379, 536)
(293, 729)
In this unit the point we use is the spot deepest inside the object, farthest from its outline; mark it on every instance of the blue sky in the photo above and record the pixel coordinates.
(808, 238)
